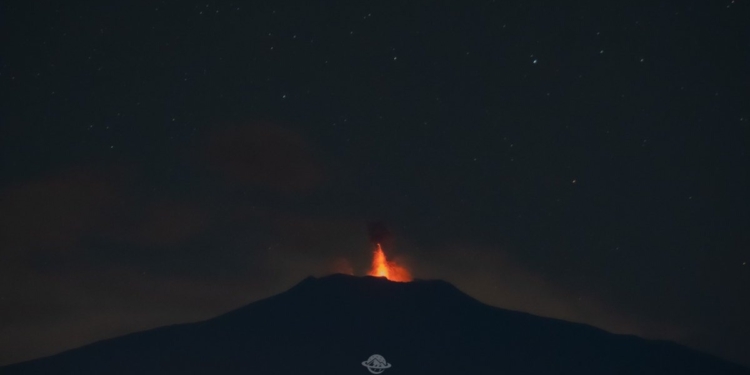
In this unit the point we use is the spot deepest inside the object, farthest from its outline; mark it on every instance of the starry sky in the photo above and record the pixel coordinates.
(167, 161)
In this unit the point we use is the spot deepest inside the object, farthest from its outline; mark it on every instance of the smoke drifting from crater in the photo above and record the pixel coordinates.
(378, 232)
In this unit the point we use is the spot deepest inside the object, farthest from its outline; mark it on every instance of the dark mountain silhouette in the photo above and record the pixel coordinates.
(331, 325)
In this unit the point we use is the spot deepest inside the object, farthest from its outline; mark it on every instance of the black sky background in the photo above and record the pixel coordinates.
(167, 161)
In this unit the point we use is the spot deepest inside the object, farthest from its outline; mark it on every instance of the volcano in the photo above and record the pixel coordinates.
(330, 325)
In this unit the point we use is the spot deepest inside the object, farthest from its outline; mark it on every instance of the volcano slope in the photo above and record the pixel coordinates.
(330, 325)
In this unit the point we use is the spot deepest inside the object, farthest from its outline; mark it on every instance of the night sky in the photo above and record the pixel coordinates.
(164, 162)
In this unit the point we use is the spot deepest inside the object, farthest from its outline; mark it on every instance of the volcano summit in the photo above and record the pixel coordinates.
(329, 325)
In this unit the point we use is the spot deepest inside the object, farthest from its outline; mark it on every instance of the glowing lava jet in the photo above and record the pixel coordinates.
(381, 267)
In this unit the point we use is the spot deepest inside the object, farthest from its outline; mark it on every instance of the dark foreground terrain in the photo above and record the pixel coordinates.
(331, 325)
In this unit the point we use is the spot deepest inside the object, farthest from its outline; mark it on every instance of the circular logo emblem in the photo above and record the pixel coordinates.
(376, 364)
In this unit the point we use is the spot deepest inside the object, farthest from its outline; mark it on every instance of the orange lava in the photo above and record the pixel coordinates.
(382, 267)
